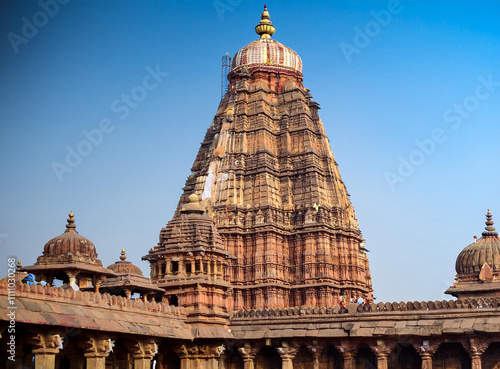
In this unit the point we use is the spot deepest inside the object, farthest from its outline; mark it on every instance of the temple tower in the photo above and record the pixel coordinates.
(478, 266)
(268, 178)
(190, 263)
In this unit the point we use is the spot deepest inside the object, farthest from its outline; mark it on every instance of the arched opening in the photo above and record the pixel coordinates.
(174, 267)
(233, 359)
(62, 361)
(173, 300)
(303, 359)
(71, 352)
(491, 357)
(268, 358)
(404, 356)
(331, 358)
(451, 355)
(119, 357)
(365, 358)
(169, 360)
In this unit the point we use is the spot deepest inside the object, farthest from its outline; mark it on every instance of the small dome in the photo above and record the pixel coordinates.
(266, 53)
(123, 266)
(484, 250)
(193, 206)
(70, 242)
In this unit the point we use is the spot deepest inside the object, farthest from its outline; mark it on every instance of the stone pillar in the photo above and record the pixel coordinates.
(349, 361)
(476, 361)
(382, 360)
(128, 293)
(475, 350)
(180, 268)
(168, 266)
(348, 353)
(72, 277)
(97, 282)
(287, 354)
(315, 350)
(248, 354)
(426, 361)
(183, 353)
(426, 351)
(142, 352)
(316, 357)
(45, 349)
(222, 361)
(96, 362)
(45, 358)
(95, 350)
(381, 351)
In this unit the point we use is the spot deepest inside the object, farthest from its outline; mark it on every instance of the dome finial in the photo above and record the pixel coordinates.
(489, 229)
(123, 255)
(265, 28)
(71, 226)
(194, 199)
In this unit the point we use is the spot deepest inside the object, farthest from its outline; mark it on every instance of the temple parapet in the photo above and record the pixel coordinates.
(410, 306)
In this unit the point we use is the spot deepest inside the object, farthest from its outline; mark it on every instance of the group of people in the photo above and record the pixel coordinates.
(343, 301)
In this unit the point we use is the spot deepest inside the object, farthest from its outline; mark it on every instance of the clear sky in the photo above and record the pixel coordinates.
(416, 83)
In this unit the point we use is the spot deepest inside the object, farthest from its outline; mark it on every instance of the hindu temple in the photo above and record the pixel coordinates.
(263, 265)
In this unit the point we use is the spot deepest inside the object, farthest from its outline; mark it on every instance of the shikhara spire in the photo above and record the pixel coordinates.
(267, 178)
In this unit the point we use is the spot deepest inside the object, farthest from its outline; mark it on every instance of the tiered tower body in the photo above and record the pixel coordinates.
(268, 178)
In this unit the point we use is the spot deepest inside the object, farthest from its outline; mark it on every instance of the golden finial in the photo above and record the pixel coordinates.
(19, 265)
(265, 28)
(71, 226)
(122, 255)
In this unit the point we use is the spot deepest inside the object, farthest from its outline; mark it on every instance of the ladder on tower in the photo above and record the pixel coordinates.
(225, 68)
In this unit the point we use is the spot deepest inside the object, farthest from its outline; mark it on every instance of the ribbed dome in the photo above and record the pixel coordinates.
(484, 250)
(70, 242)
(266, 53)
(123, 266)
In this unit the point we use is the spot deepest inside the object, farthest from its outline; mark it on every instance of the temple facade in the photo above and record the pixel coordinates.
(263, 265)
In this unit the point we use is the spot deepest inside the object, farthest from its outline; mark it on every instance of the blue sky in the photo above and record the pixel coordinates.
(422, 87)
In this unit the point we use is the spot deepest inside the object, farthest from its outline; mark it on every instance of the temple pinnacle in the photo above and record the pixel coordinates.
(71, 226)
(489, 229)
(123, 255)
(265, 28)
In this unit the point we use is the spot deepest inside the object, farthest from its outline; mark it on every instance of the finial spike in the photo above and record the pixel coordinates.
(489, 229)
(71, 226)
(265, 28)
(123, 255)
